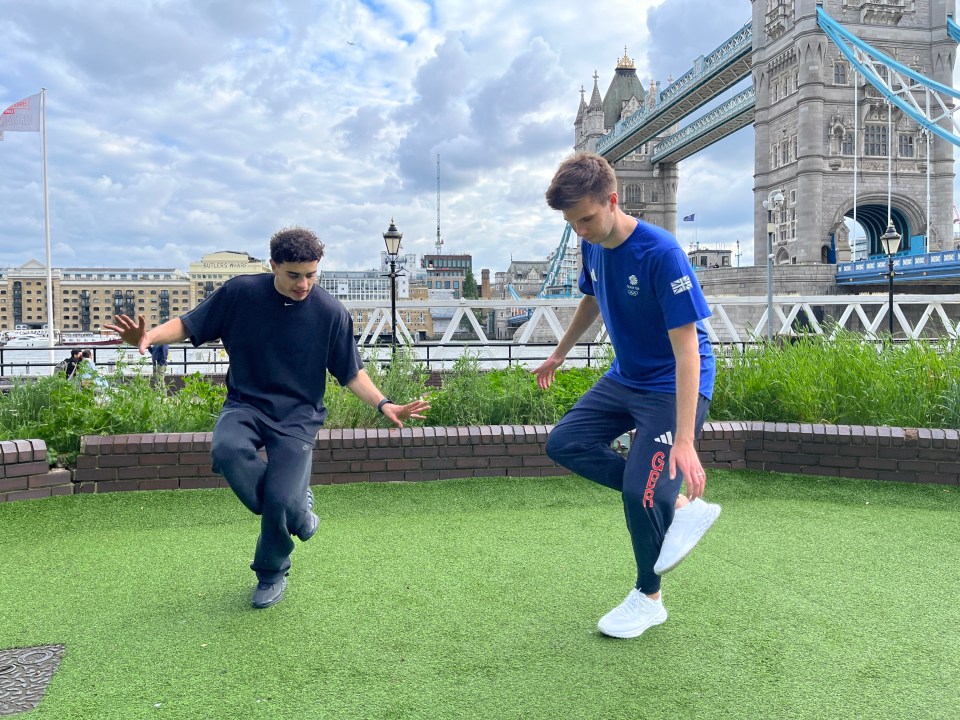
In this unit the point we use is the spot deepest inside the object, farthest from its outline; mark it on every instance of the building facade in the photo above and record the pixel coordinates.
(807, 137)
(86, 299)
(704, 258)
(644, 190)
(212, 270)
(447, 272)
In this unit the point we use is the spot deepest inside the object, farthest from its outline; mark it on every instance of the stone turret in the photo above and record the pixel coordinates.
(593, 127)
(644, 190)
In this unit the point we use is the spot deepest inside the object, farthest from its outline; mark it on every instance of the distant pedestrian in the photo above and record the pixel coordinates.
(158, 354)
(69, 366)
(638, 279)
(284, 333)
(87, 373)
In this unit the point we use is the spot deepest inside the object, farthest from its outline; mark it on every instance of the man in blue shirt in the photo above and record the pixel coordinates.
(283, 333)
(637, 277)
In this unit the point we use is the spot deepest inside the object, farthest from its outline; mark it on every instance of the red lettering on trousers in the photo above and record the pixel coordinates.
(656, 466)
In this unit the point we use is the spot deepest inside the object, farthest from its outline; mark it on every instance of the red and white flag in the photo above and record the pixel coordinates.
(23, 116)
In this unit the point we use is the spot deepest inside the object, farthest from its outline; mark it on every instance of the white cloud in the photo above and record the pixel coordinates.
(179, 128)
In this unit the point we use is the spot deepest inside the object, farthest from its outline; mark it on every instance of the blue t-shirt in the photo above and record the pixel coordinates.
(645, 287)
(280, 350)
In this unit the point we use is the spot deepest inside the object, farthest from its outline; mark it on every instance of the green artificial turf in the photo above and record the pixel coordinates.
(810, 598)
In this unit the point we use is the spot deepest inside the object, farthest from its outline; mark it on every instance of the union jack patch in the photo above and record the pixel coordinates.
(682, 285)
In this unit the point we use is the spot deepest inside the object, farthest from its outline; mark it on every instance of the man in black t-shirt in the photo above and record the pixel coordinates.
(282, 333)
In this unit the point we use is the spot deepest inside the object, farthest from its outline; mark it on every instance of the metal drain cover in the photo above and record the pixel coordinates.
(24, 676)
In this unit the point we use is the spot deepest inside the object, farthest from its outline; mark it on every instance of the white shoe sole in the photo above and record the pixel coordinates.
(657, 619)
(691, 542)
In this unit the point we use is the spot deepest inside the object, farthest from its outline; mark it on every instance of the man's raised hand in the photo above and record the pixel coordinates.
(131, 332)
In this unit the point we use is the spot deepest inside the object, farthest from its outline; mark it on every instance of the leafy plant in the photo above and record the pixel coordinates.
(845, 380)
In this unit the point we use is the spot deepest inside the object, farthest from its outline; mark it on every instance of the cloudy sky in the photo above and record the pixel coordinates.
(181, 127)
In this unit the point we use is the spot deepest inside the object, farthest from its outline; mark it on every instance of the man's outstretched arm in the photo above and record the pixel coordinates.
(362, 386)
(134, 332)
(587, 312)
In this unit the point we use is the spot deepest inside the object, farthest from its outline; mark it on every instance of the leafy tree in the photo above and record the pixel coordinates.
(470, 289)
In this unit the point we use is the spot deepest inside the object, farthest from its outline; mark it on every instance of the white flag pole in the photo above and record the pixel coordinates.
(46, 222)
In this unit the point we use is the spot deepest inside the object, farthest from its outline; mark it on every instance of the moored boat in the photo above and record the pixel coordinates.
(26, 337)
(89, 339)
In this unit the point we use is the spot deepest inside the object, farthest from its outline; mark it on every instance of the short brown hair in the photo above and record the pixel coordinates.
(579, 176)
(295, 245)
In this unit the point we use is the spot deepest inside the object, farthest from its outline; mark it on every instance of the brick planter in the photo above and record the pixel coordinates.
(182, 461)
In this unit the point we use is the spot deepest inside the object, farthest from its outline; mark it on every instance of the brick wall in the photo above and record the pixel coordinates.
(26, 474)
(853, 451)
(182, 461)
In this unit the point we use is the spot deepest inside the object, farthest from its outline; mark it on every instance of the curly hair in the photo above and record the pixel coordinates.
(579, 176)
(295, 245)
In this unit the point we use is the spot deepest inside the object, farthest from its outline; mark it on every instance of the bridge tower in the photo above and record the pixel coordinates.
(805, 129)
(646, 191)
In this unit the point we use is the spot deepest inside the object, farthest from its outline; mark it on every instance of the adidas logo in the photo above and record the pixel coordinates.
(666, 438)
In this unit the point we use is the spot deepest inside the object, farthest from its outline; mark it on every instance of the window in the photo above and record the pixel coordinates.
(906, 145)
(632, 194)
(875, 140)
(840, 73)
(846, 145)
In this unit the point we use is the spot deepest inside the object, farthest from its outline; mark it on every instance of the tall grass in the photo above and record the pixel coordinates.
(403, 381)
(60, 411)
(846, 380)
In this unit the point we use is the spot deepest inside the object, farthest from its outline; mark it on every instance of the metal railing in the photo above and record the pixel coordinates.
(735, 321)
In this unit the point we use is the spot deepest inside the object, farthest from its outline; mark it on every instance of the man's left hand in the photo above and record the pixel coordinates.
(398, 413)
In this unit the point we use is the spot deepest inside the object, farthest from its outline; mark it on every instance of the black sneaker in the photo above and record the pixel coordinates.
(309, 499)
(310, 530)
(268, 594)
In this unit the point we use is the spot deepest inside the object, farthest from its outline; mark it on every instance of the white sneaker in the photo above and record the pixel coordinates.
(634, 615)
(690, 523)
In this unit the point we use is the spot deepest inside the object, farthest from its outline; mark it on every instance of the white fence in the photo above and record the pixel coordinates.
(735, 320)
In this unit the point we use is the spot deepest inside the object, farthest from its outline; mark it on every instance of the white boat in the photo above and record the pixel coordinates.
(89, 339)
(24, 337)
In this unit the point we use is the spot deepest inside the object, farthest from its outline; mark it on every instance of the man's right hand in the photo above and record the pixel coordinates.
(546, 371)
(132, 333)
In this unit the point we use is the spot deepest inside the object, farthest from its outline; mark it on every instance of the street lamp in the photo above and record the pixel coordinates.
(772, 204)
(391, 239)
(891, 243)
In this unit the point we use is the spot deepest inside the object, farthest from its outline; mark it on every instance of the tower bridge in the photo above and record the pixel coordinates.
(851, 103)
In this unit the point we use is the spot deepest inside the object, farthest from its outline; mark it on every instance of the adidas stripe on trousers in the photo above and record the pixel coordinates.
(581, 443)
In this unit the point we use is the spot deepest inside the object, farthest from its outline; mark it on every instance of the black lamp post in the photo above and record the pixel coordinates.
(391, 239)
(891, 243)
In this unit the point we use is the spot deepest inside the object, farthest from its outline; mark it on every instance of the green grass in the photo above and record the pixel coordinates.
(843, 381)
(810, 598)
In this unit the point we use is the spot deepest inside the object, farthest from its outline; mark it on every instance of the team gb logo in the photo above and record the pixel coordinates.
(632, 289)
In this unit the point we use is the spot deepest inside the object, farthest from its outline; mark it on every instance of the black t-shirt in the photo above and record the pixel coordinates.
(280, 350)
